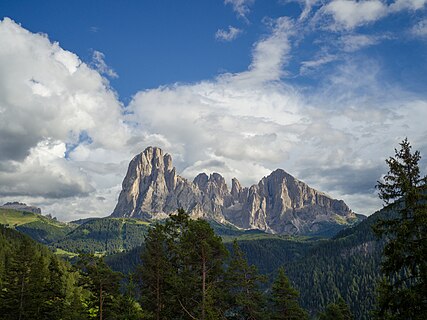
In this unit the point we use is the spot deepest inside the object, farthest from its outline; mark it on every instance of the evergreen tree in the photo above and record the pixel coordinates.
(245, 301)
(104, 284)
(403, 292)
(182, 270)
(336, 311)
(155, 274)
(285, 299)
(203, 255)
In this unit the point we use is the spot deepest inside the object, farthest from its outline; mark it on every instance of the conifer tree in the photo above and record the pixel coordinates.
(155, 274)
(285, 299)
(245, 301)
(182, 270)
(403, 292)
(104, 285)
(202, 259)
(336, 311)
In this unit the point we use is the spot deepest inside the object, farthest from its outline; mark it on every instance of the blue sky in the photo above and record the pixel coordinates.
(322, 89)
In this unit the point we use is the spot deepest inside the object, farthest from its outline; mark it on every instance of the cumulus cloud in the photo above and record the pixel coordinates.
(58, 114)
(245, 126)
(49, 100)
(44, 173)
(227, 35)
(350, 14)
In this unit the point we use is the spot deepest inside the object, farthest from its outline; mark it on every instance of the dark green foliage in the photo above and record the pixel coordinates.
(336, 311)
(35, 284)
(156, 274)
(106, 300)
(322, 270)
(244, 298)
(106, 236)
(182, 269)
(285, 300)
(43, 232)
(347, 266)
(403, 291)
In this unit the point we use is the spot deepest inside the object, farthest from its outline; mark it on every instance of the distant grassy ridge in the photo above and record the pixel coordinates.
(38, 227)
(15, 218)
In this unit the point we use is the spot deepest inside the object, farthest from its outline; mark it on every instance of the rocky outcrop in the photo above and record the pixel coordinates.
(279, 203)
(21, 207)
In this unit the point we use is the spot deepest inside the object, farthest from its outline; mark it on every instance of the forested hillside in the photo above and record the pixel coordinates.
(105, 236)
(322, 270)
(36, 284)
(41, 228)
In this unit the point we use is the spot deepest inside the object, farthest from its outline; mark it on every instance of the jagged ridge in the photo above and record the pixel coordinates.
(279, 203)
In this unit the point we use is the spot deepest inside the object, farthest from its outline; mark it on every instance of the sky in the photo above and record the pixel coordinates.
(322, 89)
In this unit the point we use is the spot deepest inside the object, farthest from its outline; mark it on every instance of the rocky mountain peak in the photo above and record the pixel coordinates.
(279, 203)
(16, 205)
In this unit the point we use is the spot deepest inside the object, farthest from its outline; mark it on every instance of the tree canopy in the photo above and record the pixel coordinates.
(403, 291)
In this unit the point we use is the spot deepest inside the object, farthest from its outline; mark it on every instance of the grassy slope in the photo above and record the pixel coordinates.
(38, 227)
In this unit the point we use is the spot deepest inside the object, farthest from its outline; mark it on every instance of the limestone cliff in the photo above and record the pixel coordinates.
(279, 203)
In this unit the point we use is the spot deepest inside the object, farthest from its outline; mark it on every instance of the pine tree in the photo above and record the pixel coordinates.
(245, 301)
(403, 292)
(155, 274)
(336, 311)
(181, 270)
(285, 299)
(104, 285)
(202, 259)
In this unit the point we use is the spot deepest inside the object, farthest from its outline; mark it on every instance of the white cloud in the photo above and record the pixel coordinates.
(420, 29)
(100, 65)
(270, 54)
(49, 101)
(65, 143)
(241, 7)
(44, 173)
(399, 5)
(335, 139)
(349, 14)
(356, 42)
(311, 65)
(227, 35)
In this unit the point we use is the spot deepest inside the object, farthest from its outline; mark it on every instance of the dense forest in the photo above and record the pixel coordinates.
(179, 278)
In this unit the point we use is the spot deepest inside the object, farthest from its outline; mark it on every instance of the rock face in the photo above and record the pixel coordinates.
(21, 207)
(279, 203)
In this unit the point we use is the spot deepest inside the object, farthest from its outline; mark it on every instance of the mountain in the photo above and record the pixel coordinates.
(279, 203)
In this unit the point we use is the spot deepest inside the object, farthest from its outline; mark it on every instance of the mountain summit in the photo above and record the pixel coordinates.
(279, 203)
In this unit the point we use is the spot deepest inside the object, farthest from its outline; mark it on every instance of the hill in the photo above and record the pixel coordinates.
(104, 236)
(41, 228)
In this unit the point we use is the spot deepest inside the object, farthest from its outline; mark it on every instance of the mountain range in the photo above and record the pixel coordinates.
(279, 203)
